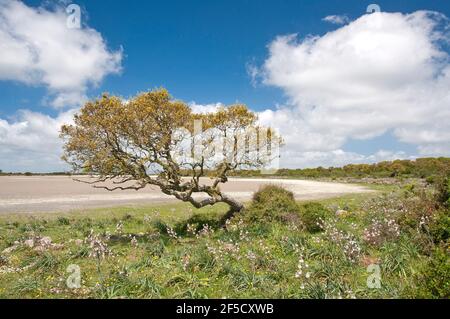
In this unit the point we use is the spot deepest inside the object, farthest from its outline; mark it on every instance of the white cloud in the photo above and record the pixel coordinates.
(37, 48)
(336, 19)
(253, 73)
(31, 142)
(305, 148)
(382, 72)
(205, 108)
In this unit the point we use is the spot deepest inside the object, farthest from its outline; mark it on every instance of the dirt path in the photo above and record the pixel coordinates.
(61, 193)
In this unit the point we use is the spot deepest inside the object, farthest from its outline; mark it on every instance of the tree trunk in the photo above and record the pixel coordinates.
(235, 207)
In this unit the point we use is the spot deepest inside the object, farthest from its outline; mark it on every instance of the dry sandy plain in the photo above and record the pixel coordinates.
(61, 193)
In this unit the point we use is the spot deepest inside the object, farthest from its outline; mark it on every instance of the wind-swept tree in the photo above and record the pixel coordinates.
(153, 139)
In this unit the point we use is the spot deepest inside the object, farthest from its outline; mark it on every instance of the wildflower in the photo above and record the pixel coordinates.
(205, 231)
(147, 219)
(228, 224)
(98, 248)
(251, 256)
(263, 248)
(119, 227)
(134, 242)
(186, 261)
(191, 229)
(234, 224)
(172, 233)
(381, 230)
(222, 249)
(346, 241)
(243, 235)
(301, 269)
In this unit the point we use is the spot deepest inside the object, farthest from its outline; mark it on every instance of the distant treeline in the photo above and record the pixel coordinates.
(421, 168)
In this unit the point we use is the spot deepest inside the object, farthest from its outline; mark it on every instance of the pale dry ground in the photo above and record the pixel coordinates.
(61, 193)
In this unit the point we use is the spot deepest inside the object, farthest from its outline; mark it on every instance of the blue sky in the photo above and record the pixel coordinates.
(202, 52)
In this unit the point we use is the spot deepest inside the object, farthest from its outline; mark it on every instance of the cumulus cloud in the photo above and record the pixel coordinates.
(31, 142)
(37, 48)
(336, 19)
(382, 72)
(305, 148)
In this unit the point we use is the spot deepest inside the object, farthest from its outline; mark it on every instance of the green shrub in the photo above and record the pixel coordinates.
(440, 227)
(434, 280)
(197, 222)
(312, 214)
(63, 220)
(272, 203)
(160, 226)
(443, 191)
(430, 179)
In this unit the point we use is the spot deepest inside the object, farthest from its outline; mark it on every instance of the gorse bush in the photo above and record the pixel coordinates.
(313, 215)
(271, 203)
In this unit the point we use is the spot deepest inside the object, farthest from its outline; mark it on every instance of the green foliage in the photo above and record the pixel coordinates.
(443, 190)
(434, 280)
(312, 216)
(26, 285)
(272, 203)
(197, 222)
(160, 225)
(430, 179)
(440, 226)
(419, 168)
(63, 220)
(46, 261)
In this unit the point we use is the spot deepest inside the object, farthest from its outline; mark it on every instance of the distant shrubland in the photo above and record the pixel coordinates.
(419, 168)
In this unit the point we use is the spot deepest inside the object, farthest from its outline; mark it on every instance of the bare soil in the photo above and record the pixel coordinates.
(62, 193)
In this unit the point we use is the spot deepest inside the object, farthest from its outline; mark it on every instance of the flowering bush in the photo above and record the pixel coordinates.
(347, 241)
(98, 247)
(381, 230)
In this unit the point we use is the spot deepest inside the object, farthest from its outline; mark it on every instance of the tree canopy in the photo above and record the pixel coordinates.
(154, 139)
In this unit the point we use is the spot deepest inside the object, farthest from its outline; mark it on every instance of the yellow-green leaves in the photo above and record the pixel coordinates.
(153, 134)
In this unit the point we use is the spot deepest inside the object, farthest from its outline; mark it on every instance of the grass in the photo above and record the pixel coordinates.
(276, 259)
